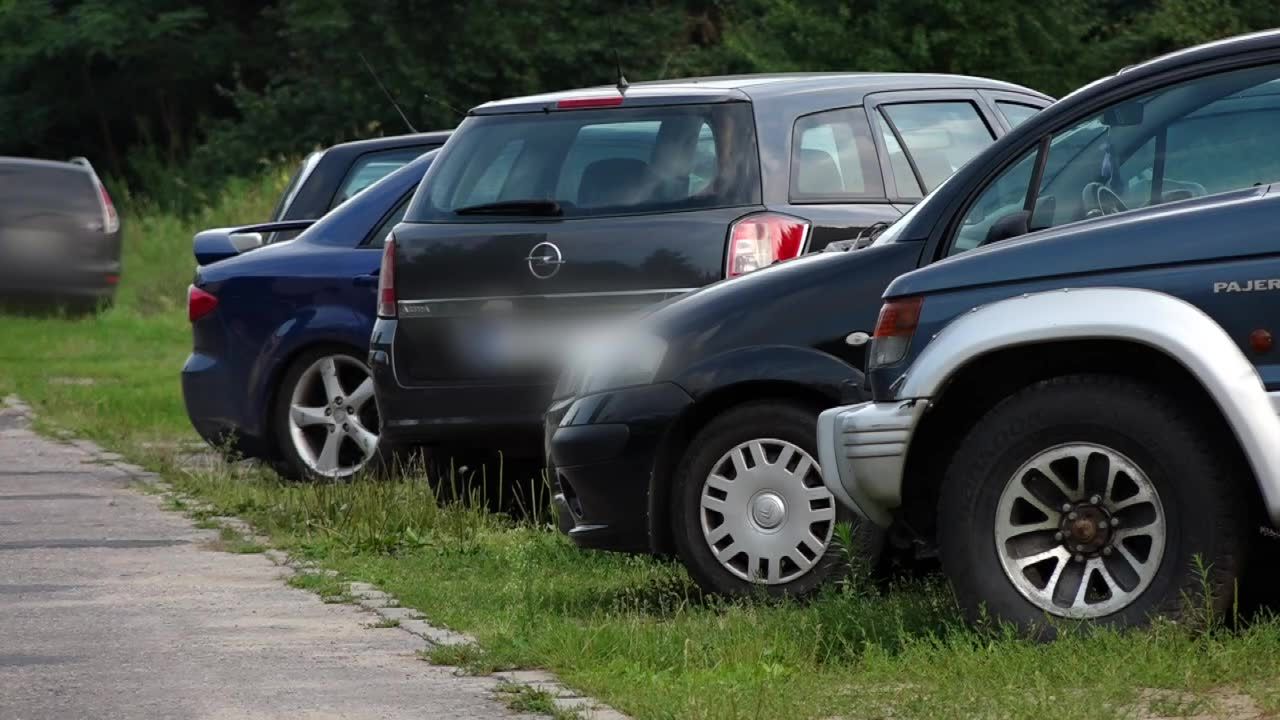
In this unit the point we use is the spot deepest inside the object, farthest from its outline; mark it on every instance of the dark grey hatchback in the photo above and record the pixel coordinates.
(583, 204)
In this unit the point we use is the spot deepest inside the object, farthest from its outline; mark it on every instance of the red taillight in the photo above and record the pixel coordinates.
(589, 102)
(756, 241)
(110, 220)
(899, 317)
(387, 280)
(897, 323)
(199, 303)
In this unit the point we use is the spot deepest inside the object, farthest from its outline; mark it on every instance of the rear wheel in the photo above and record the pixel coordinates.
(326, 421)
(751, 511)
(1089, 498)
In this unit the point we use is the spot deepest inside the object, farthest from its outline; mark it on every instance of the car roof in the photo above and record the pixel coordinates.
(761, 87)
(39, 163)
(390, 142)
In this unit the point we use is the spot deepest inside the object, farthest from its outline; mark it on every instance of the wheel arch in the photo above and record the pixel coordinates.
(276, 372)
(705, 409)
(987, 354)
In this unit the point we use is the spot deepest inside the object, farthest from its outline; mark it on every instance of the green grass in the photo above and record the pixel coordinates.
(632, 631)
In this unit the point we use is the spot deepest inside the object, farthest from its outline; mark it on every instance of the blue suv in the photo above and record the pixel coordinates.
(1084, 419)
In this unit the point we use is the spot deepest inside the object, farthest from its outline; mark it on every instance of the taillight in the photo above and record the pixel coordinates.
(756, 241)
(110, 220)
(894, 328)
(387, 280)
(199, 303)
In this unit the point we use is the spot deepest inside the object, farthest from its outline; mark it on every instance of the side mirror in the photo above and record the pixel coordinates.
(1009, 226)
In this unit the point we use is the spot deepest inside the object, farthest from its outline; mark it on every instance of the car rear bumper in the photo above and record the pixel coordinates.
(459, 416)
(214, 409)
(601, 449)
(863, 450)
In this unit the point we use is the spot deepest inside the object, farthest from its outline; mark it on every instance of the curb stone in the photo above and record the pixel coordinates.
(363, 594)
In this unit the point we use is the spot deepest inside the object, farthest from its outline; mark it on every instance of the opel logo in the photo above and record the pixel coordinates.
(544, 260)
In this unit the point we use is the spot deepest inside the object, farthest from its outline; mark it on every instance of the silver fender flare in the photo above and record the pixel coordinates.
(1160, 321)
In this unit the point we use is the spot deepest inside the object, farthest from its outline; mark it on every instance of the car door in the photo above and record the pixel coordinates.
(1173, 142)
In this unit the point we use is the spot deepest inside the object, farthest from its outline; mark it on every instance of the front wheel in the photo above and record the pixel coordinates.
(1089, 498)
(750, 510)
(326, 421)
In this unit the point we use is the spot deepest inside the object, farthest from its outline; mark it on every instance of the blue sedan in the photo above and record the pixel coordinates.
(281, 332)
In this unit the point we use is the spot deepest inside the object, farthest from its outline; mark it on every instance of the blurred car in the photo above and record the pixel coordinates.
(280, 334)
(588, 203)
(59, 233)
(327, 178)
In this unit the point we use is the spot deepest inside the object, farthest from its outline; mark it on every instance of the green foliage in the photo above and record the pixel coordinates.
(226, 89)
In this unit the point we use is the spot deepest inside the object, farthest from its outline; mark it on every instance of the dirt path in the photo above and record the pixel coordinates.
(111, 607)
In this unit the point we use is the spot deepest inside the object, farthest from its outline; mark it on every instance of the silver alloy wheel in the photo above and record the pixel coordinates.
(333, 421)
(1080, 530)
(766, 516)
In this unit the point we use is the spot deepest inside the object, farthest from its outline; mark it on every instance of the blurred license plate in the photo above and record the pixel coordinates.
(521, 344)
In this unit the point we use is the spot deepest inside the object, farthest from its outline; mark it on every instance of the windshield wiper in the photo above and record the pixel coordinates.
(513, 207)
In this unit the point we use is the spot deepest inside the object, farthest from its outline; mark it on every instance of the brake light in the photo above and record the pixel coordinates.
(895, 326)
(110, 220)
(756, 241)
(589, 102)
(387, 280)
(199, 303)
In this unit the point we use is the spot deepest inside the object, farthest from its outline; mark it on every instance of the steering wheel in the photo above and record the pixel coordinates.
(1098, 199)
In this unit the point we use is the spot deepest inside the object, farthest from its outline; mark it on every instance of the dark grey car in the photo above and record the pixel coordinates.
(59, 233)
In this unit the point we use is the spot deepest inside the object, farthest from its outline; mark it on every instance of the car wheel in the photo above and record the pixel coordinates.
(326, 420)
(1089, 498)
(751, 511)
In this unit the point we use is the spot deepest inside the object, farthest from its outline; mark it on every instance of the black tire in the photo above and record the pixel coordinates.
(1198, 486)
(288, 462)
(778, 420)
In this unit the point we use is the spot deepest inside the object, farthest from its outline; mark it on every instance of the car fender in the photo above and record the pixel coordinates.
(1165, 323)
(815, 370)
(307, 327)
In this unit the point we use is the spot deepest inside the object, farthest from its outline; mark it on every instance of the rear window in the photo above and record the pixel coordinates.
(372, 167)
(615, 161)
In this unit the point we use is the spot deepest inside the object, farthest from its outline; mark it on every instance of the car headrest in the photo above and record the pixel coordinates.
(616, 181)
(818, 174)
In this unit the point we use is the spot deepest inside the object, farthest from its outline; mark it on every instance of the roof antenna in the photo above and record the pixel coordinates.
(443, 104)
(622, 79)
(386, 92)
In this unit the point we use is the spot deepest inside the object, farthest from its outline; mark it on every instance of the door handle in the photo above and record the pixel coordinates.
(366, 280)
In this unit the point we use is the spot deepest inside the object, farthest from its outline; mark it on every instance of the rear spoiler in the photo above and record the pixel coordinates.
(210, 246)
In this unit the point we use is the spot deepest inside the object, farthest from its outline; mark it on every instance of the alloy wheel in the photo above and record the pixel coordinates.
(1080, 530)
(766, 516)
(333, 421)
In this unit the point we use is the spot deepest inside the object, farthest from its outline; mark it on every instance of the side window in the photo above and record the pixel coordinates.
(372, 167)
(1016, 113)
(940, 136)
(1208, 135)
(833, 158)
(378, 237)
(904, 178)
(1008, 194)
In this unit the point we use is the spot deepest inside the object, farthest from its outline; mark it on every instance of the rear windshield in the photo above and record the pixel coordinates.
(615, 161)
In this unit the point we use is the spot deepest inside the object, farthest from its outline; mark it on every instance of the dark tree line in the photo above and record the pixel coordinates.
(217, 88)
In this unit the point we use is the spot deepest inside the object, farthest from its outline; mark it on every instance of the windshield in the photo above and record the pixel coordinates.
(594, 162)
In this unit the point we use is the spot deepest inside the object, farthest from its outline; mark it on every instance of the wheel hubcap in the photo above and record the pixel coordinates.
(766, 516)
(333, 422)
(1080, 530)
